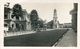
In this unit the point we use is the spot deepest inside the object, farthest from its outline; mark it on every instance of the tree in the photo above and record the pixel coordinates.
(17, 11)
(34, 19)
(40, 22)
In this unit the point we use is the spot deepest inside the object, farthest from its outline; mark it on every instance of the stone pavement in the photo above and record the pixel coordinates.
(68, 40)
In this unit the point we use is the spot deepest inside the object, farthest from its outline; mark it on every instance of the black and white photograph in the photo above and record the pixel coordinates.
(40, 24)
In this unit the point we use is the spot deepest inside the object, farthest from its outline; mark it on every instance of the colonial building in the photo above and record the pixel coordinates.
(55, 21)
(7, 16)
(12, 23)
(27, 18)
(74, 16)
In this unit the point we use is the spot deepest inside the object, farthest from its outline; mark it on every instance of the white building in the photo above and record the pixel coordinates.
(12, 23)
(27, 18)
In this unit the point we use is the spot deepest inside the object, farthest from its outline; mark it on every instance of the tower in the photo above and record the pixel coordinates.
(55, 19)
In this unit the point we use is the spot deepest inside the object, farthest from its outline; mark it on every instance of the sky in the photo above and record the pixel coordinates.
(46, 10)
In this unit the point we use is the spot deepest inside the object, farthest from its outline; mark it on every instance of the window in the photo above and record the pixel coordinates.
(5, 17)
(5, 25)
(12, 25)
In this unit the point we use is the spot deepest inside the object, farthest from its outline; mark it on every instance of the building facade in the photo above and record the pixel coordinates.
(12, 23)
(27, 18)
(7, 17)
(74, 16)
(67, 25)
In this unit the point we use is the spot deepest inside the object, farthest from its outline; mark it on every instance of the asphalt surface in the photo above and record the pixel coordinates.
(43, 38)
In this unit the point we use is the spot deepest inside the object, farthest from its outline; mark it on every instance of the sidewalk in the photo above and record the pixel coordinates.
(68, 40)
(18, 33)
(21, 33)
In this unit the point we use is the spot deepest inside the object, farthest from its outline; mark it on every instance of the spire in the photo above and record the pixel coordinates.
(55, 19)
(55, 14)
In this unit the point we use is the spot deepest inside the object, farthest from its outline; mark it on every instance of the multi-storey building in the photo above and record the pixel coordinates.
(12, 23)
(74, 16)
(7, 17)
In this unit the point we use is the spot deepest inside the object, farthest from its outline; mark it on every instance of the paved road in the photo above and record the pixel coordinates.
(43, 38)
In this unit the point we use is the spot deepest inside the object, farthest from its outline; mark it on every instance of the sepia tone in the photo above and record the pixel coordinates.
(28, 29)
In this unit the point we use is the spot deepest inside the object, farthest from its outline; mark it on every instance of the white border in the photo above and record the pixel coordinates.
(38, 1)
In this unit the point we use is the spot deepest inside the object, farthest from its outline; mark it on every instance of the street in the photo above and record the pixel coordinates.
(43, 38)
